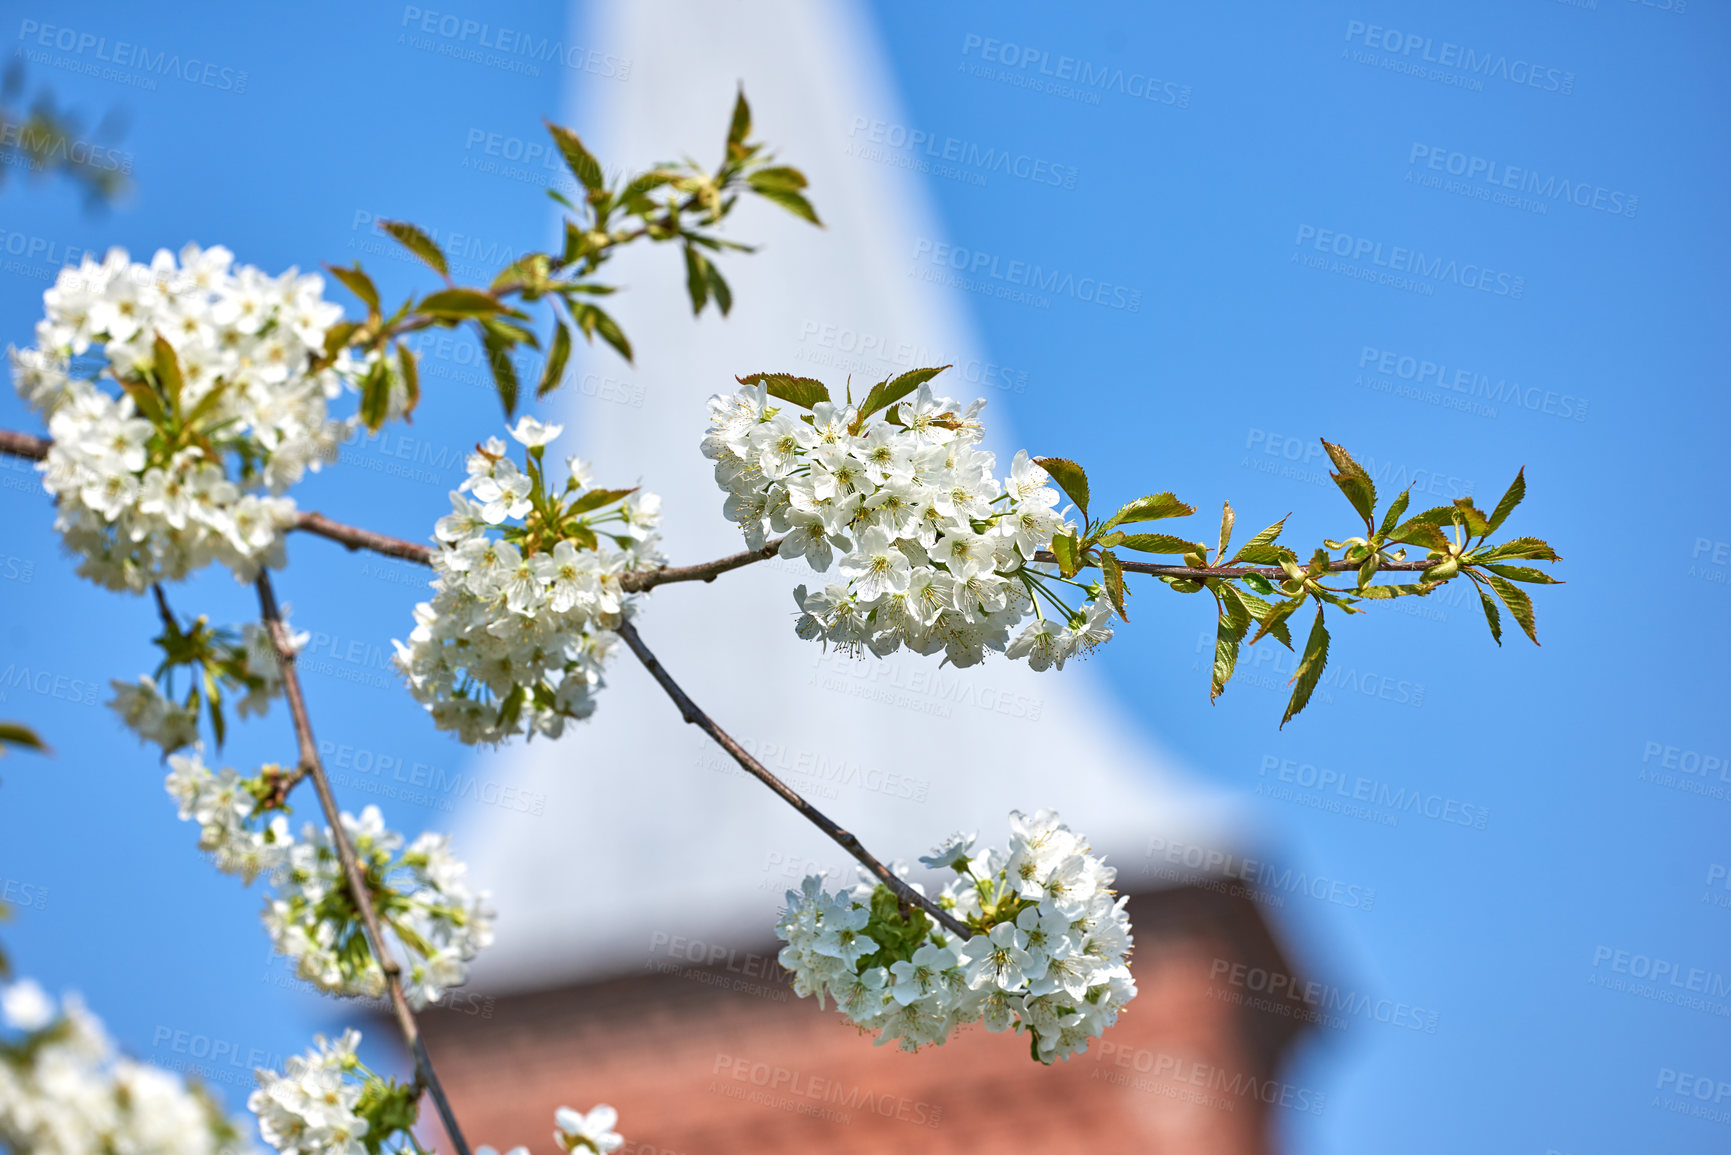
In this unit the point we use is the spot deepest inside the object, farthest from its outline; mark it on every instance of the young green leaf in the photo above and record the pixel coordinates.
(357, 283)
(1309, 669)
(1491, 615)
(1227, 518)
(1263, 539)
(696, 278)
(1516, 491)
(788, 199)
(603, 323)
(554, 372)
(1275, 620)
(1229, 632)
(1471, 517)
(1520, 547)
(1159, 543)
(740, 126)
(460, 304)
(19, 735)
(1114, 574)
(578, 159)
(1071, 478)
(1395, 508)
(167, 365)
(596, 498)
(498, 347)
(375, 397)
(804, 392)
(1151, 508)
(1519, 604)
(1523, 573)
(1260, 611)
(718, 290)
(1064, 548)
(1384, 592)
(411, 380)
(892, 389)
(420, 244)
(1353, 481)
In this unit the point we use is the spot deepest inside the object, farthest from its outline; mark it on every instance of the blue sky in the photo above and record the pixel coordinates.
(1305, 200)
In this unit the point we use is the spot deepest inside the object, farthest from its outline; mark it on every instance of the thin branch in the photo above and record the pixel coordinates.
(311, 766)
(23, 445)
(694, 715)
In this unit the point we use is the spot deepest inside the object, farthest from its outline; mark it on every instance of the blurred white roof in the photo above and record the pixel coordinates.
(648, 829)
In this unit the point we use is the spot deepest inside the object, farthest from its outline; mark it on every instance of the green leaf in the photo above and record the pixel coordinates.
(167, 366)
(1353, 481)
(1420, 531)
(1395, 508)
(411, 379)
(578, 159)
(1227, 519)
(1491, 615)
(375, 396)
(892, 389)
(498, 349)
(1276, 618)
(1384, 592)
(1259, 583)
(1229, 632)
(19, 735)
(1516, 491)
(696, 278)
(611, 333)
(418, 243)
(804, 392)
(461, 304)
(793, 202)
(1065, 549)
(1309, 667)
(1261, 610)
(554, 372)
(1151, 508)
(1159, 543)
(1520, 547)
(1114, 574)
(740, 126)
(718, 290)
(1524, 573)
(1470, 516)
(357, 283)
(1266, 537)
(1071, 478)
(1519, 604)
(596, 498)
(777, 176)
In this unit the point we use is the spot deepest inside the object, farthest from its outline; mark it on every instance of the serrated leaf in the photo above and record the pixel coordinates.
(1520, 547)
(1516, 491)
(1519, 604)
(793, 202)
(1275, 619)
(461, 304)
(578, 159)
(1265, 554)
(1309, 669)
(1414, 531)
(1491, 615)
(1153, 507)
(1259, 583)
(1266, 537)
(1260, 611)
(418, 243)
(1065, 549)
(1114, 575)
(1384, 592)
(1071, 478)
(357, 283)
(411, 379)
(1159, 543)
(1395, 508)
(891, 390)
(554, 371)
(804, 392)
(1523, 573)
(1471, 517)
(1227, 519)
(1353, 481)
(498, 350)
(1229, 632)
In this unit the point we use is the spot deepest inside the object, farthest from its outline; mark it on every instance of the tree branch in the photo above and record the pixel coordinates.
(24, 445)
(694, 715)
(311, 766)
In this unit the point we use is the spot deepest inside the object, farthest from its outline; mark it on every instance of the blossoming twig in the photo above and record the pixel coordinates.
(311, 766)
(695, 715)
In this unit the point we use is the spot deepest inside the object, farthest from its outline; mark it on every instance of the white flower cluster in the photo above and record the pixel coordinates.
(1049, 955)
(159, 719)
(428, 911)
(936, 553)
(521, 626)
(185, 465)
(64, 1090)
(310, 1108)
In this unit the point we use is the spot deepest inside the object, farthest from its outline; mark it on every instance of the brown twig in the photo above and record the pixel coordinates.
(312, 767)
(23, 445)
(695, 715)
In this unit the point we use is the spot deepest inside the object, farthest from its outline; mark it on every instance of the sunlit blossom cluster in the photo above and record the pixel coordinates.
(66, 1090)
(183, 400)
(428, 911)
(930, 548)
(527, 593)
(1048, 954)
